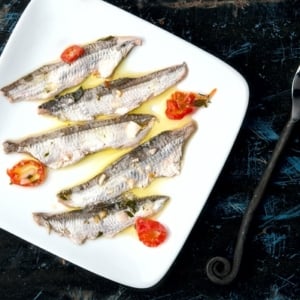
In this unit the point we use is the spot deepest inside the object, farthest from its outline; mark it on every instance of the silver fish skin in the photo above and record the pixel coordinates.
(115, 98)
(158, 157)
(100, 57)
(68, 145)
(98, 220)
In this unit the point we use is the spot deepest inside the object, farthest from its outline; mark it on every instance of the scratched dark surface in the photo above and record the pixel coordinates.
(261, 39)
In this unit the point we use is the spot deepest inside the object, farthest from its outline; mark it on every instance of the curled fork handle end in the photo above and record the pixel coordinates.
(219, 269)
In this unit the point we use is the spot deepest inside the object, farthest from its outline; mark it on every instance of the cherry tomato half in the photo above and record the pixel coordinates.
(150, 232)
(184, 103)
(175, 111)
(27, 172)
(180, 105)
(72, 53)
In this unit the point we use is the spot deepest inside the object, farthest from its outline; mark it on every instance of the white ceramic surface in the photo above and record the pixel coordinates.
(44, 30)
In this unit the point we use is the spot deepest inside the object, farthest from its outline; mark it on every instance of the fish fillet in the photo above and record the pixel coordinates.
(114, 98)
(101, 57)
(97, 220)
(68, 145)
(158, 157)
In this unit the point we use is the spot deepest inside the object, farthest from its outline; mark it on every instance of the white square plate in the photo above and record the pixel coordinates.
(44, 30)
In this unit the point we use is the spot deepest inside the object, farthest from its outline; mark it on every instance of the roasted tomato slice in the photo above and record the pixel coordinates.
(27, 172)
(180, 105)
(175, 111)
(184, 103)
(150, 232)
(72, 53)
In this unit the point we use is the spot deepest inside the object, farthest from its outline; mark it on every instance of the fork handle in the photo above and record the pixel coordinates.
(219, 269)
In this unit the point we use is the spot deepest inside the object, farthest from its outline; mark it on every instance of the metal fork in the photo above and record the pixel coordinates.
(219, 269)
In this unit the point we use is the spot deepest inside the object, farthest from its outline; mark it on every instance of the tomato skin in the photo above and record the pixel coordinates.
(180, 105)
(184, 103)
(150, 232)
(176, 112)
(72, 53)
(184, 98)
(27, 172)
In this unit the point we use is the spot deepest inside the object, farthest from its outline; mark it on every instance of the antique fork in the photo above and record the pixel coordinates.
(219, 270)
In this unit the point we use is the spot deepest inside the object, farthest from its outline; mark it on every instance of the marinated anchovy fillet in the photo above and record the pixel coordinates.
(158, 157)
(67, 145)
(101, 57)
(114, 98)
(96, 220)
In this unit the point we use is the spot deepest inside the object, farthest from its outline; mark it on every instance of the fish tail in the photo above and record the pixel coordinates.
(41, 220)
(38, 218)
(10, 147)
(6, 92)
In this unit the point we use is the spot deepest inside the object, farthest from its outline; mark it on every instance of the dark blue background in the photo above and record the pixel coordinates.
(261, 39)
